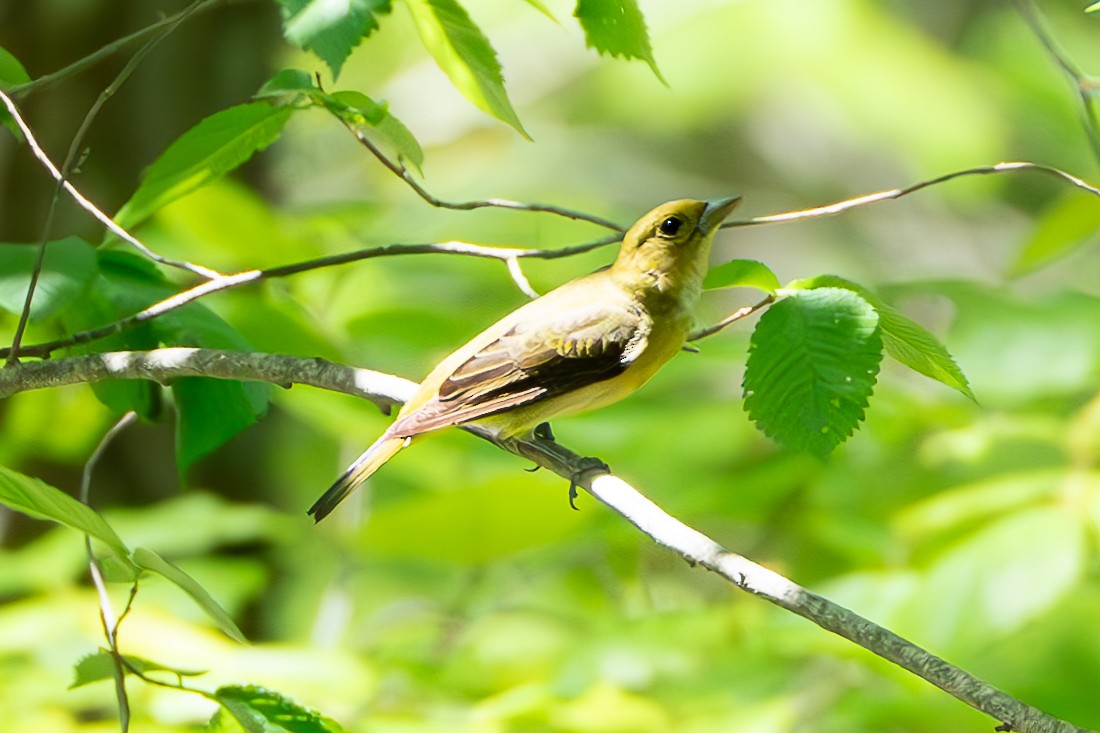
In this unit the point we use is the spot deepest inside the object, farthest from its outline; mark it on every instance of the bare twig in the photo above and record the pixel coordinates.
(897, 193)
(1083, 86)
(89, 206)
(107, 616)
(401, 172)
(167, 364)
(737, 315)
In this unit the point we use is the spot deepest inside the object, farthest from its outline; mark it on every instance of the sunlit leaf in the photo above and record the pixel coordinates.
(365, 116)
(255, 707)
(101, 666)
(151, 561)
(287, 82)
(617, 28)
(742, 274)
(42, 501)
(465, 56)
(331, 28)
(67, 272)
(813, 360)
(12, 72)
(1067, 225)
(217, 145)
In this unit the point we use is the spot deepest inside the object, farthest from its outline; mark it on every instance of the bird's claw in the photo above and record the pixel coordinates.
(586, 464)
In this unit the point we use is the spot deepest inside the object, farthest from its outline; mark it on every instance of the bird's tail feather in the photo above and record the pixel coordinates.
(370, 461)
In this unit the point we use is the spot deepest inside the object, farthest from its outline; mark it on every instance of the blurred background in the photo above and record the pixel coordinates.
(457, 593)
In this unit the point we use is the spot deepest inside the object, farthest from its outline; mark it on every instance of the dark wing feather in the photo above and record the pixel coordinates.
(529, 363)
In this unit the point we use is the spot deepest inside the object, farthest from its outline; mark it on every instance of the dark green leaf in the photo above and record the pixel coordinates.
(617, 28)
(42, 501)
(67, 272)
(252, 705)
(465, 56)
(151, 561)
(211, 412)
(209, 150)
(813, 359)
(101, 666)
(742, 274)
(331, 30)
(1068, 224)
(905, 340)
(12, 72)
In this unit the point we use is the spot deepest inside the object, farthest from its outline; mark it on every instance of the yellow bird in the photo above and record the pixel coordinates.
(586, 344)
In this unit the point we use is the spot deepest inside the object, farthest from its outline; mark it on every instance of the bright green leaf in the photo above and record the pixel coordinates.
(42, 501)
(67, 272)
(366, 116)
(217, 145)
(616, 28)
(1092, 8)
(537, 5)
(330, 29)
(12, 72)
(287, 82)
(151, 561)
(742, 274)
(905, 340)
(1070, 223)
(813, 359)
(252, 705)
(465, 56)
(101, 666)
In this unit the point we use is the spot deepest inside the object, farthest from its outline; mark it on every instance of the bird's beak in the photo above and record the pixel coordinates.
(716, 212)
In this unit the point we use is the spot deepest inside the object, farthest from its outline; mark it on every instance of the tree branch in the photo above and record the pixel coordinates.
(164, 365)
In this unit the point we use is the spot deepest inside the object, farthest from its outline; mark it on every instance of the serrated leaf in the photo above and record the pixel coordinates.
(742, 274)
(616, 28)
(38, 499)
(905, 340)
(217, 145)
(12, 72)
(67, 272)
(151, 561)
(465, 55)
(252, 705)
(366, 117)
(813, 360)
(1067, 225)
(101, 666)
(331, 28)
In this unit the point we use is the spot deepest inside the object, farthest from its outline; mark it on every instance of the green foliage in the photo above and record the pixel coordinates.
(742, 274)
(12, 72)
(259, 710)
(1069, 224)
(314, 26)
(151, 561)
(214, 147)
(616, 28)
(66, 275)
(102, 666)
(812, 365)
(465, 55)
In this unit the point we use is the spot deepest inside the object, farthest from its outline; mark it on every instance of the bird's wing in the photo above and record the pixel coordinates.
(535, 361)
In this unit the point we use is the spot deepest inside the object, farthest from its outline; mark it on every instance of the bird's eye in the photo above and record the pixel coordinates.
(670, 226)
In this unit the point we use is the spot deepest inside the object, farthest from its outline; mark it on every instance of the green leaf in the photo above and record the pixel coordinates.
(365, 116)
(905, 340)
(287, 82)
(42, 501)
(101, 666)
(1063, 228)
(329, 29)
(151, 561)
(67, 273)
(742, 274)
(465, 56)
(616, 28)
(813, 359)
(1092, 8)
(211, 412)
(537, 5)
(217, 145)
(255, 707)
(12, 72)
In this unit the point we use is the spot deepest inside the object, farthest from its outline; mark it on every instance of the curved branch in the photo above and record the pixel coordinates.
(164, 365)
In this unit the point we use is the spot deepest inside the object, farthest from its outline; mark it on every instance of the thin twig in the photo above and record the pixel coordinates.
(165, 365)
(106, 51)
(401, 172)
(107, 616)
(89, 206)
(1082, 85)
(737, 315)
(521, 281)
(896, 193)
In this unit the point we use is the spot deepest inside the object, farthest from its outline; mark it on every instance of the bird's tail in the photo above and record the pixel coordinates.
(372, 459)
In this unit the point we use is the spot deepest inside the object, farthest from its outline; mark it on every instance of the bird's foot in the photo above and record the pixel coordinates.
(583, 466)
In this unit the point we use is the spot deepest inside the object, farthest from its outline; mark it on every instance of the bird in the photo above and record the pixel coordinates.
(584, 345)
